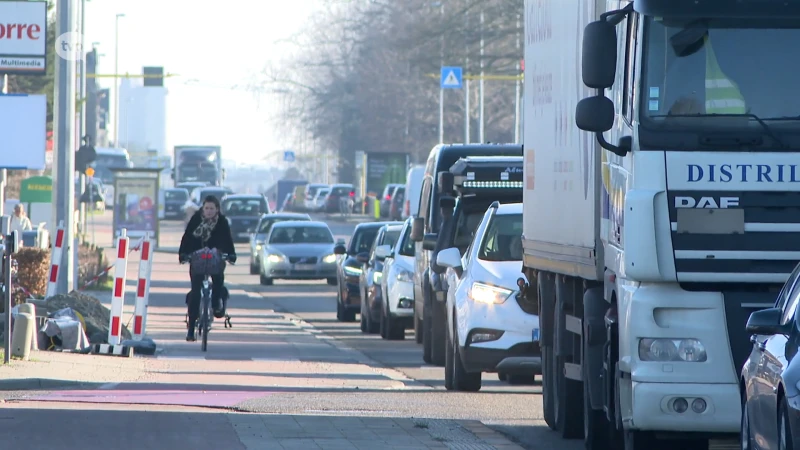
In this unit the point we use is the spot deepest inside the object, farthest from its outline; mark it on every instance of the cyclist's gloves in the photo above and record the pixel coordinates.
(183, 258)
(232, 259)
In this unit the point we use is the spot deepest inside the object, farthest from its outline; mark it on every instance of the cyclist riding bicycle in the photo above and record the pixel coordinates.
(207, 228)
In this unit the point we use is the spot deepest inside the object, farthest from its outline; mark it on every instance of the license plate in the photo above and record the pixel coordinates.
(535, 335)
(244, 234)
(305, 267)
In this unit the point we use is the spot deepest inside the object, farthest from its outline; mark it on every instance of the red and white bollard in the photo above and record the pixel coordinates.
(143, 288)
(55, 261)
(118, 298)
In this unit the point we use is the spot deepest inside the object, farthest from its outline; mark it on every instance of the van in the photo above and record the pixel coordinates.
(424, 232)
(413, 191)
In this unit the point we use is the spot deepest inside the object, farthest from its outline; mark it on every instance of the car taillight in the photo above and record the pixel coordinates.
(352, 194)
(388, 197)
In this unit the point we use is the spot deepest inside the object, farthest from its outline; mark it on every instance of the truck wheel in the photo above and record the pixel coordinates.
(548, 387)
(568, 402)
(596, 428)
(427, 333)
(417, 329)
(439, 333)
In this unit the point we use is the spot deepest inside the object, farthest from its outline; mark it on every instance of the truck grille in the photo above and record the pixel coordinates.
(765, 248)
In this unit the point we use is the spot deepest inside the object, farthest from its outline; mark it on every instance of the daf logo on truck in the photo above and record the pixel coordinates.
(706, 202)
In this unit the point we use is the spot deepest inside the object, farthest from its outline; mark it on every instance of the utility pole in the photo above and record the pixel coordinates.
(64, 170)
(441, 89)
(116, 80)
(480, 92)
(467, 133)
(517, 102)
(3, 172)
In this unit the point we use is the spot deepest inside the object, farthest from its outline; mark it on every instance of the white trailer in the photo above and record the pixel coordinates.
(652, 235)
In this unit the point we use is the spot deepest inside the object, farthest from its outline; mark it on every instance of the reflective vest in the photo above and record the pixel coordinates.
(722, 94)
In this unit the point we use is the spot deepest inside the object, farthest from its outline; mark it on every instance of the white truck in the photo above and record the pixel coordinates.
(651, 236)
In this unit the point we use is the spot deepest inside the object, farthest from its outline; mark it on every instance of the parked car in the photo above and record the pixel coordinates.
(174, 201)
(370, 279)
(298, 250)
(386, 198)
(311, 194)
(770, 379)
(348, 273)
(260, 234)
(243, 212)
(338, 192)
(397, 286)
(319, 200)
(488, 330)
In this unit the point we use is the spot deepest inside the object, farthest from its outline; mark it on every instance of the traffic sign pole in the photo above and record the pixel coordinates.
(450, 78)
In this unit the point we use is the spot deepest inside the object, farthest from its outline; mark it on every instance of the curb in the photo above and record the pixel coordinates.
(33, 384)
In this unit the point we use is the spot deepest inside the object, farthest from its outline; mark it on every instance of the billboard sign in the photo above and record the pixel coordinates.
(23, 37)
(385, 168)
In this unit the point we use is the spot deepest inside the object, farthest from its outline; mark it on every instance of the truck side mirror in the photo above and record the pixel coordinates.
(599, 57)
(417, 229)
(595, 114)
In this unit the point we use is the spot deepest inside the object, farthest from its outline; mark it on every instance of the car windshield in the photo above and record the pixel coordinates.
(390, 237)
(341, 191)
(720, 66)
(468, 223)
(407, 245)
(301, 235)
(362, 240)
(268, 223)
(176, 196)
(243, 207)
(503, 239)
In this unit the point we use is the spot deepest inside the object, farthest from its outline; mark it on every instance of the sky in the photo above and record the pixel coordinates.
(211, 46)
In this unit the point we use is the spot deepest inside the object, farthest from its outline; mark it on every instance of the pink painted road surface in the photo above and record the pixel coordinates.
(211, 399)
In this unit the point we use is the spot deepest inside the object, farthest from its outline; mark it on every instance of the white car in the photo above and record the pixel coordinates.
(397, 286)
(320, 199)
(488, 329)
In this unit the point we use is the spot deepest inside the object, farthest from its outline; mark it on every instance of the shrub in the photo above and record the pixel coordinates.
(33, 265)
(91, 261)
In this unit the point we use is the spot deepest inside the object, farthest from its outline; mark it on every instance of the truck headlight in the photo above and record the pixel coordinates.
(672, 350)
(405, 275)
(484, 293)
(352, 271)
(330, 259)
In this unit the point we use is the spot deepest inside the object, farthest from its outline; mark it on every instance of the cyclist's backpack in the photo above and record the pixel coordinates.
(206, 262)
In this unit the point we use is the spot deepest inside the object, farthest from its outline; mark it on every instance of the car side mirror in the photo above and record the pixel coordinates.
(417, 229)
(765, 322)
(450, 257)
(383, 252)
(362, 257)
(339, 249)
(429, 241)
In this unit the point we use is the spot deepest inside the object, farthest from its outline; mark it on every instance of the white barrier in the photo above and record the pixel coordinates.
(118, 298)
(143, 289)
(55, 261)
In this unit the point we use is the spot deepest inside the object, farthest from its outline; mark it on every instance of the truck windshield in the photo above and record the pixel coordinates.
(720, 66)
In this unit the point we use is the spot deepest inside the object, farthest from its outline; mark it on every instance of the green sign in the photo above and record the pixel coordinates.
(36, 190)
(385, 168)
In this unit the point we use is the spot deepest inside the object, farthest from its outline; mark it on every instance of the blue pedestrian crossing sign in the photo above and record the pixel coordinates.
(288, 156)
(451, 78)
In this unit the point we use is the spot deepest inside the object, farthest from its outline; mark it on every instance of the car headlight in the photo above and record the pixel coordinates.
(484, 293)
(672, 350)
(352, 271)
(405, 275)
(330, 259)
(273, 258)
(376, 277)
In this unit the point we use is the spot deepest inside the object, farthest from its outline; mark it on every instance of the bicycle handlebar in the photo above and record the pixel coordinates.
(225, 256)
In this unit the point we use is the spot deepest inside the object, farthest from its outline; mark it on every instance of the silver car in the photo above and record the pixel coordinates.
(298, 250)
(263, 227)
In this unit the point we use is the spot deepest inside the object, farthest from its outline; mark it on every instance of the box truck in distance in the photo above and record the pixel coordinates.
(651, 235)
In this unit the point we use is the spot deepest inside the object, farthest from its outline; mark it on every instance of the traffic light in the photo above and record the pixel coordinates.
(85, 156)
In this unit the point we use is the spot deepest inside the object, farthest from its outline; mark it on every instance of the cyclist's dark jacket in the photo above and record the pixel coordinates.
(220, 239)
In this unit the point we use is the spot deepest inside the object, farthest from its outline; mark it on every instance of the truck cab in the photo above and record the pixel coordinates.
(689, 163)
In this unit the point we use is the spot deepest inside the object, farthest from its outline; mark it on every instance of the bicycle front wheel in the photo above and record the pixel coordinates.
(205, 323)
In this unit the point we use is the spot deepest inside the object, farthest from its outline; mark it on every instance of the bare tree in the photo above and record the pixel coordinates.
(365, 75)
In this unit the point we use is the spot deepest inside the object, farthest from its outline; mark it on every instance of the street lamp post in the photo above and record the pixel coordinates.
(116, 79)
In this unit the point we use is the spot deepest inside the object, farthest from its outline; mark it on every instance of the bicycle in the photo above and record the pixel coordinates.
(203, 324)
